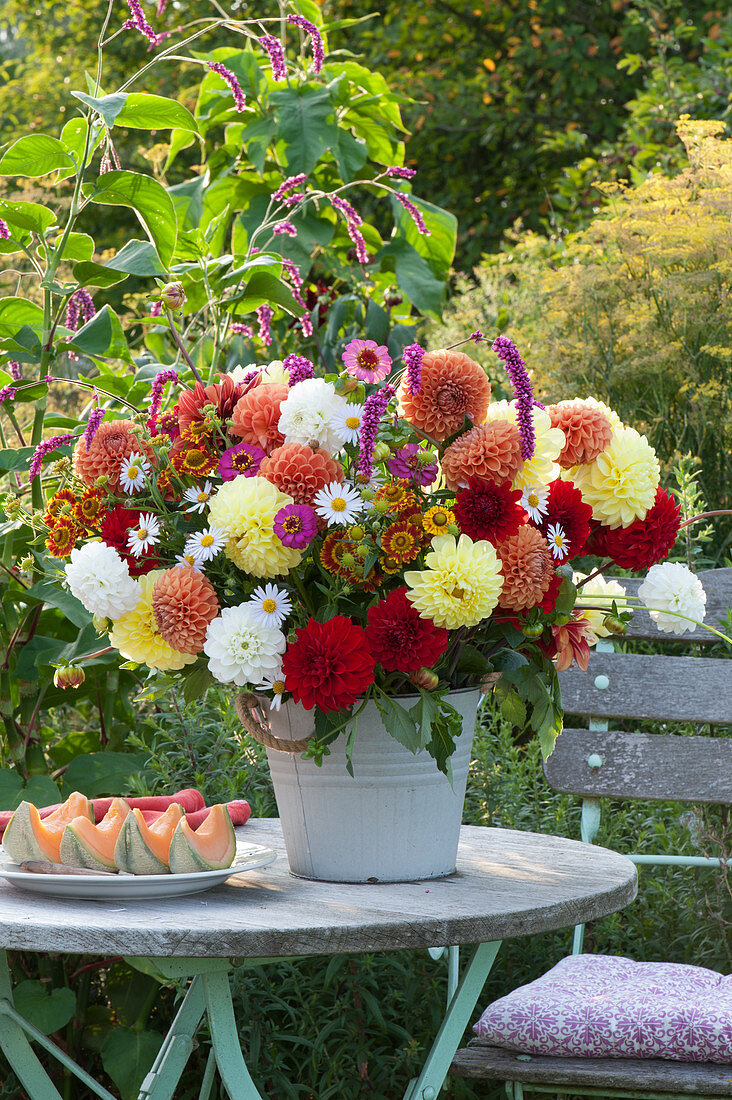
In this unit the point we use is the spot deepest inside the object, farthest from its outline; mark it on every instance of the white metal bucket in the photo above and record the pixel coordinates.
(396, 819)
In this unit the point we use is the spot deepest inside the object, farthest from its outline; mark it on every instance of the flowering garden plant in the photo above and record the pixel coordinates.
(383, 532)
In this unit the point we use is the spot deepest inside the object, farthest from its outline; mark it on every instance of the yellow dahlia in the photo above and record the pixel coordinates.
(245, 510)
(461, 584)
(542, 468)
(620, 485)
(135, 634)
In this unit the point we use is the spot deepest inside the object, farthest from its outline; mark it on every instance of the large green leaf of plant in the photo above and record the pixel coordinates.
(16, 312)
(140, 111)
(35, 155)
(306, 125)
(103, 335)
(127, 1055)
(102, 773)
(49, 1009)
(150, 201)
(39, 789)
(26, 215)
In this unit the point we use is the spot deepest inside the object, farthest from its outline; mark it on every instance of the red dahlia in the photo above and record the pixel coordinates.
(328, 665)
(566, 507)
(488, 511)
(399, 639)
(648, 540)
(115, 529)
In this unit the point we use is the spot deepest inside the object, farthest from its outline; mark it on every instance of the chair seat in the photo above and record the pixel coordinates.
(481, 1060)
(599, 1006)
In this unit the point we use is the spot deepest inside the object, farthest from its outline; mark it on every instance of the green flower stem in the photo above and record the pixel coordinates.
(182, 348)
(97, 389)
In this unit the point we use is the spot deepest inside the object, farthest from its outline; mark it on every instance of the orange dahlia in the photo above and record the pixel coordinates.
(452, 387)
(114, 441)
(300, 472)
(184, 603)
(586, 427)
(256, 416)
(223, 396)
(527, 568)
(489, 451)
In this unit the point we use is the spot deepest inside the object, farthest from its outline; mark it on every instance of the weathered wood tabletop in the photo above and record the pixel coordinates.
(507, 884)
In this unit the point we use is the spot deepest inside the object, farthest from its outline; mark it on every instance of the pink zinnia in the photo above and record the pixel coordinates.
(366, 360)
(244, 458)
(296, 525)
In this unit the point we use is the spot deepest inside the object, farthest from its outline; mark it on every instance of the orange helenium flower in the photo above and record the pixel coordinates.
(256, 416)
(452, 386)
(402, 541)
(300, 472)
(62, 537)
(114, 441)
(527, 568)
(587, 430)
(489, 451)
(184, 603)
(88, 511)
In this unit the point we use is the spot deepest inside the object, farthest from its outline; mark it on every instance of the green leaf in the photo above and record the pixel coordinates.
(512, 705)
(439, 247)
(566, 598)
(398, 722)
(137, 258)
(26, 215)
(196, 684)
(150, 201)
(15, 460)
(306, 125)
(263, 287)
(73, 744)
(54, 595)
(39, 789)
(49, 1009)
(103, 335)
(15, 312)
(35, 155)
(415, 277)
(126, 989)
(31, 391)
(73, 136)
(102, 773)
(179, 140)
(140, 111)
(89, 273)
(447, 726)
(472, 661)
(78, 246)
(350, 154)
(127, 1055)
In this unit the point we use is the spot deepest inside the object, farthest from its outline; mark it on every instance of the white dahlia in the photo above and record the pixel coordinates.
(669, 590)
(101, 580)
(308, 413)
(239, 649)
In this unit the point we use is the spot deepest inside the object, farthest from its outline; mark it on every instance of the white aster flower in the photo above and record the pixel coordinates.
(346, 421)
(557, 540)
(190, 561)
(669, 590)
(338, 504)
(534, 501)
(145, 535)
(271, 605)
(133, 473)
(274, 682)
(101, 581)
(205, 545)
(601, 594)
(306, 414)
(239, 650)
(198, 497)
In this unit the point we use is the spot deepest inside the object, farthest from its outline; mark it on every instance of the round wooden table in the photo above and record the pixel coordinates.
(507, 884)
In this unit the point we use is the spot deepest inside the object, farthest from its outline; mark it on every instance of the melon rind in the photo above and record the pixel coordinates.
(132, 854)
(19, 839)
(77, 852)
(185, 855)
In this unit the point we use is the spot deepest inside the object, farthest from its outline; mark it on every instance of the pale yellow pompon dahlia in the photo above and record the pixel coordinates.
(245, 510)
(460, 585)
(620, 485)
(135, 634)
(615, 421)
(542, 467)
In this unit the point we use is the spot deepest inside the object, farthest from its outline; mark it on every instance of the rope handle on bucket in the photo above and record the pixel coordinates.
(255, 722)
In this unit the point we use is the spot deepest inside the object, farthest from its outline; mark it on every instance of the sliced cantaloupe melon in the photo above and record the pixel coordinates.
(210, 847)
(86, 845)
(143, 849)
(29, 837)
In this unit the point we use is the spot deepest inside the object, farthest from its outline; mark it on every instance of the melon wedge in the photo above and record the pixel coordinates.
(29, 837)
(143, 849)
(86, 845)
(210, 847)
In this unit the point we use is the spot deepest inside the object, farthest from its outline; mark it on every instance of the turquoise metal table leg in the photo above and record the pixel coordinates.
(208, 1076)
(435, 1070)
(160, 1083)
(225, 1038)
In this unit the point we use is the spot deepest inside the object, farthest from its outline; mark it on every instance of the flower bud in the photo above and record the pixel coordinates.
(382, 451)
(363, 551)
(381, 506)
(101, 481)
(69, 676)
(453, 529)
(101, 623)
(356, 532)
(425, 678)
(348, 560)
(532, 630)
(367, 494)
(27, 564)
(614, 625)
(173, 296)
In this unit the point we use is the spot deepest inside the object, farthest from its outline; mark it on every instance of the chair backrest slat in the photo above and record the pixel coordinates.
(638, 765)
(718, 587)
(634, 685)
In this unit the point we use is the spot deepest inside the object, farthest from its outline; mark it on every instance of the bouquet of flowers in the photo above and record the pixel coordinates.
(384, 532)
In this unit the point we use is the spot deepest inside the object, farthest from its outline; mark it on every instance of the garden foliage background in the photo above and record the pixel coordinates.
(591, 226)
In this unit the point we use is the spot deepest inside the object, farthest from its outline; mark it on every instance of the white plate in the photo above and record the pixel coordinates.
(128, 887)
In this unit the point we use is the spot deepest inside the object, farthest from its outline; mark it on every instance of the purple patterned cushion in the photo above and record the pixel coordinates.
(601, 1006)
